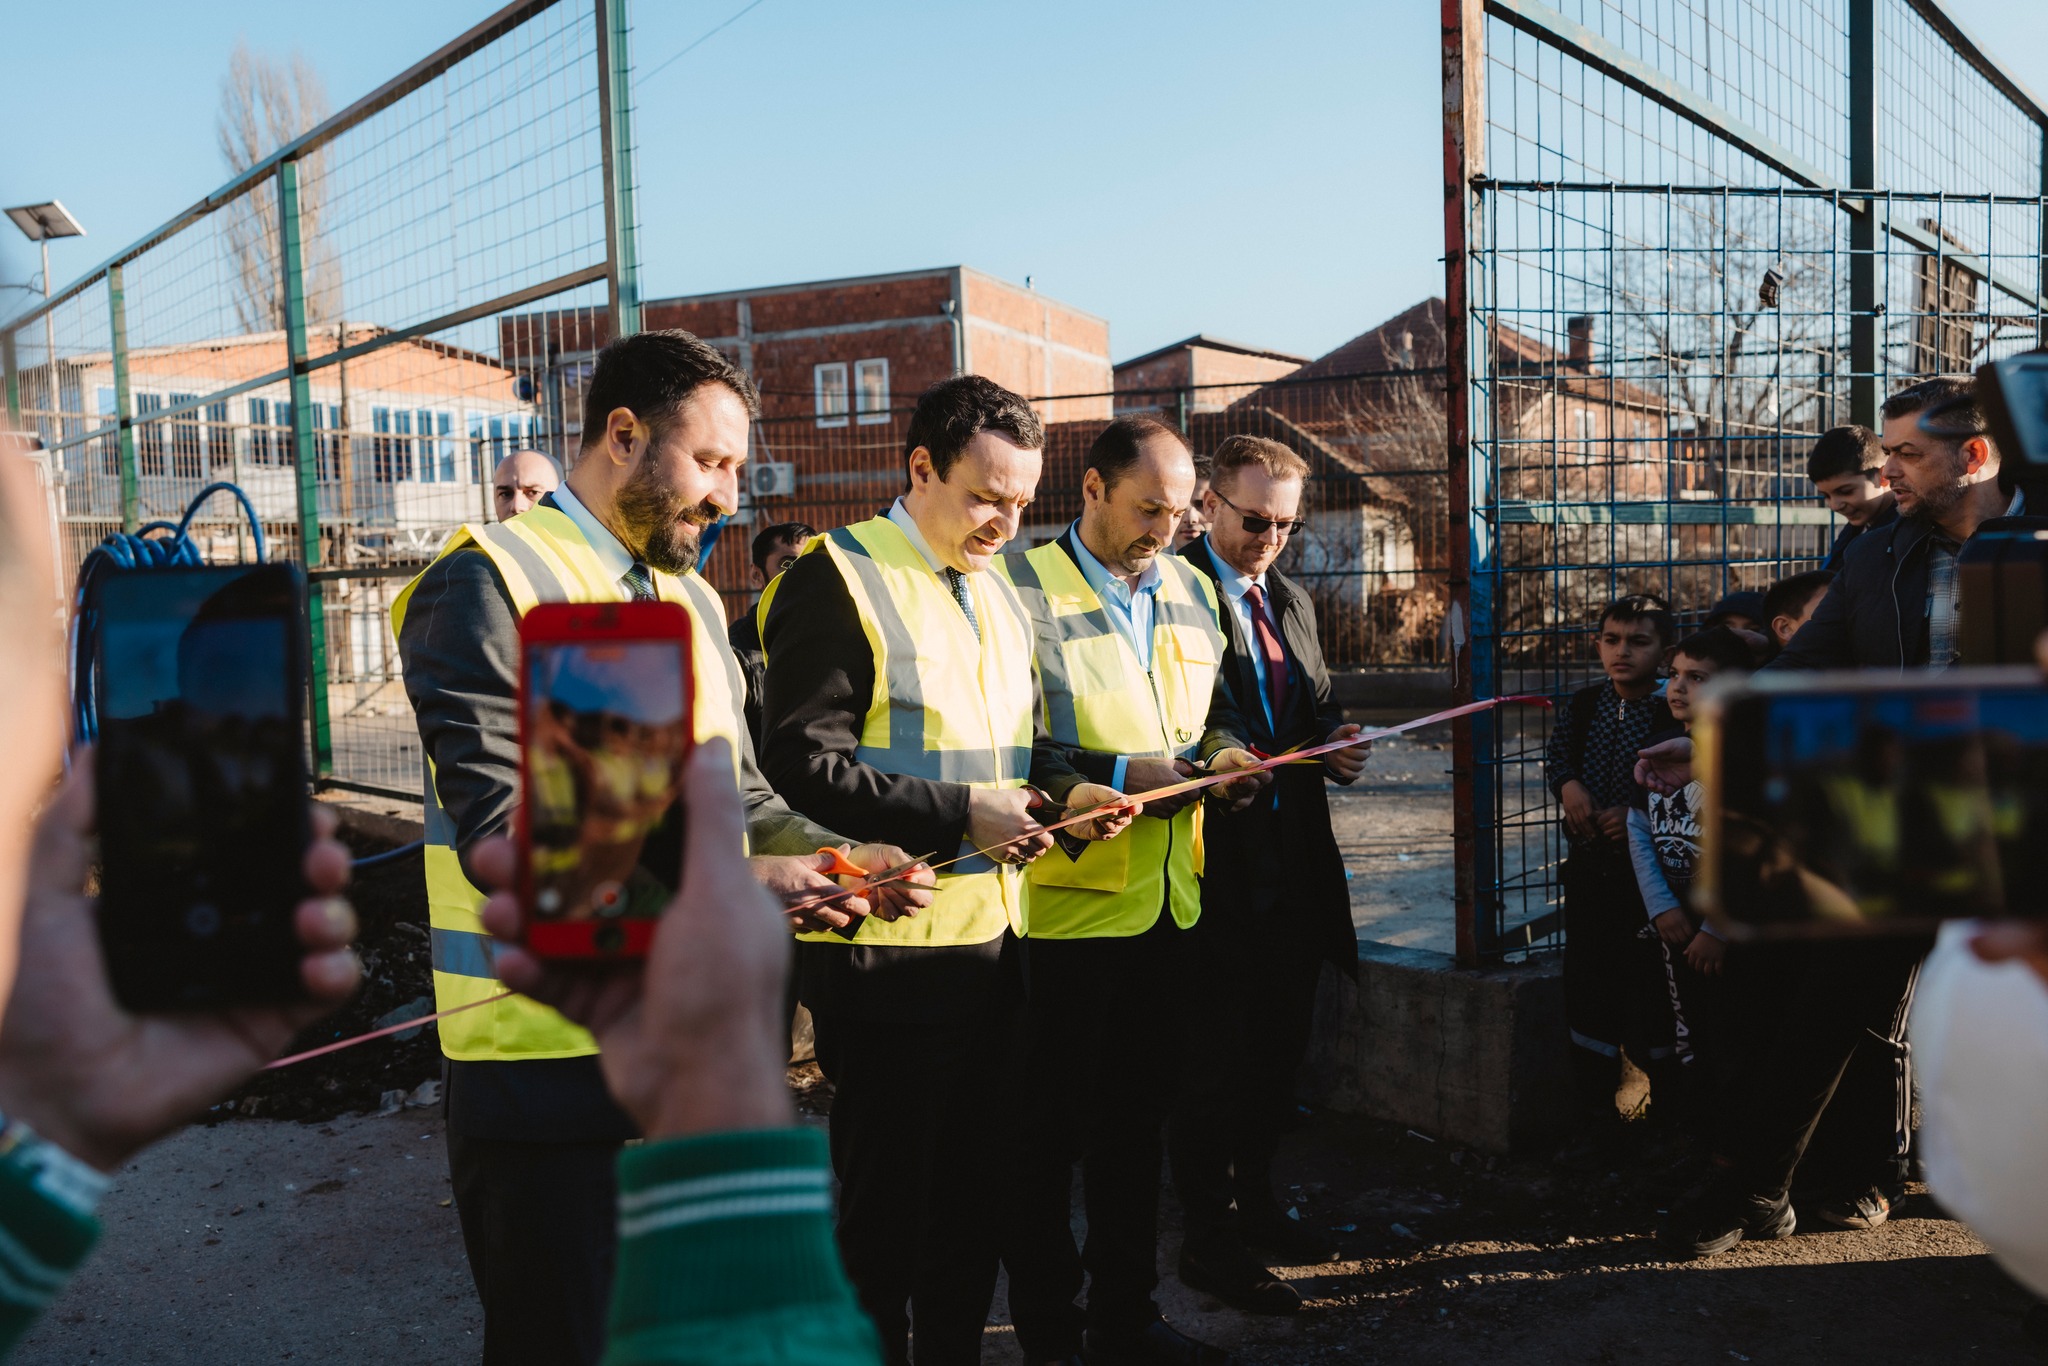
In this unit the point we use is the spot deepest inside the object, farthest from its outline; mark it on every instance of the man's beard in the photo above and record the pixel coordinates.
(661, 525)
(1935, 503)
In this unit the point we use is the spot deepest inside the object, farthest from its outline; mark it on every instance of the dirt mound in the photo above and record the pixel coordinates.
(391, 903)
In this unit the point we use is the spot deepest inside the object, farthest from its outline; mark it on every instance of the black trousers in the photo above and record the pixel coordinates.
(1618, 986)
(539, 1221)
(1096, 1075)
(1250, 1010)
(915, 1144)
(1837, 1036)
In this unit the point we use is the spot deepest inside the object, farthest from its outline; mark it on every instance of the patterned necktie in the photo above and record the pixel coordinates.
(639, 583)
(1267, 638)
(958, 582)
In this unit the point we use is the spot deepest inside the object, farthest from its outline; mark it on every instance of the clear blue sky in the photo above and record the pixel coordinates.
(1267, 172)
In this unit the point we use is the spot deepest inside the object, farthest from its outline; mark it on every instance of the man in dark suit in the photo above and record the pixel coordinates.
(1274, 903)
(775, 549)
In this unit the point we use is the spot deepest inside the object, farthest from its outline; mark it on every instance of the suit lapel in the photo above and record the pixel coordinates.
(1244, 679)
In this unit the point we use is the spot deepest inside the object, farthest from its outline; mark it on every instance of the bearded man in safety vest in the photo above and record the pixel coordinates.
(1130, 643)
(901, 705)
(532, 1134)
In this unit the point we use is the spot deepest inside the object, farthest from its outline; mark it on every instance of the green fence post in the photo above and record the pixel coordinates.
(305, 461)
(615, 130)
(124, 404)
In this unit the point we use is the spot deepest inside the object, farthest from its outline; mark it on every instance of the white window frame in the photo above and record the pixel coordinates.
(865, 416)
(828, 416)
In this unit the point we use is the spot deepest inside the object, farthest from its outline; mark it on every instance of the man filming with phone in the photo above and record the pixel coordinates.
(533, 1137)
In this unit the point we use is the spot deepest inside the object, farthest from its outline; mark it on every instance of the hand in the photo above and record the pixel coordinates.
(999, 822)
(101, 1083)
(904, 896)
(1110, 823)
(2005, 941)
(799, 877)
(1239, 792)
(1706, 954)
(1148, 775)
(1674, 927)
(694, 1039)
(1611, 823)
(1579, 816)
(1346, 764)
(1667, 767)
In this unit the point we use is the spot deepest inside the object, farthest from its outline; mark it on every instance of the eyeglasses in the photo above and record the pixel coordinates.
(1259, 526)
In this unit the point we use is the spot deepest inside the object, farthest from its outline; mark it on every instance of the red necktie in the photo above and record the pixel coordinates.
(1270, 650)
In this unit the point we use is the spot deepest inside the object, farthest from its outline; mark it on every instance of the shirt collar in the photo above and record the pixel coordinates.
(1235, 585)
(615, 558)
(900, 515)
(1098, 575)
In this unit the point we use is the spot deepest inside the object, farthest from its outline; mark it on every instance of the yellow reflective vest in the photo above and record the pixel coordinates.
(945, 707)
(542, 557)
(1099, 697)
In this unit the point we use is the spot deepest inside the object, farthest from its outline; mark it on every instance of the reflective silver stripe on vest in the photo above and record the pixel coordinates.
(462, 953)
(899, 653)
(1195, 614)
(950, 765)
(1056, 686)
(712, 610)
(547, 586)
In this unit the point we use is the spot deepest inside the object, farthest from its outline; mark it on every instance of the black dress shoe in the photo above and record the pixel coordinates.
(1158, 1343)
(1291, 1242)
(1232, 1275)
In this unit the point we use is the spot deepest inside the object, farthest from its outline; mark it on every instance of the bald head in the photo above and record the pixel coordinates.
(520, 480)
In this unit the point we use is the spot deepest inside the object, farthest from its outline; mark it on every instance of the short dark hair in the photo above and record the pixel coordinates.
(1947, 404)
(1718, 645)
(1634, 607)
(1788, 597)
(654, 374)
(951, 412)
(768, 537)
(1114, 452)
(1845, 450)
(1279, 460)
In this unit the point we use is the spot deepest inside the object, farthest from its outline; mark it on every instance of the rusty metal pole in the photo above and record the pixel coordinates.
(1464, 72)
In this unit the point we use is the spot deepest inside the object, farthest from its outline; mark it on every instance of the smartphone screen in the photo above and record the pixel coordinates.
(1879, 806)
(200, 782)
(607, 728)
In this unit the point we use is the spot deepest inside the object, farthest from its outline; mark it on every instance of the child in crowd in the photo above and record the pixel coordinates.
(1589, 762)
(1846, 467)
(1791, 601)
(1664, 847)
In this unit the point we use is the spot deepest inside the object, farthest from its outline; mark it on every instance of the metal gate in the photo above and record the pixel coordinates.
(1681, 242)
(354, 330)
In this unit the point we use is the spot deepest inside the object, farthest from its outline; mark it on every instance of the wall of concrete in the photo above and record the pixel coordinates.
(1472, 1058)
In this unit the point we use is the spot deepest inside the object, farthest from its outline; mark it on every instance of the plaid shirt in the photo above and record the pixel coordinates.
(1944, 593)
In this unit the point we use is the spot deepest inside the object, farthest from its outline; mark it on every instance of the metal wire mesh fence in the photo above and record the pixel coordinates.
(342, 332)
(1688, 240)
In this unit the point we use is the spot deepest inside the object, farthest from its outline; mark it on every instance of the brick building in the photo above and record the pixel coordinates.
(1198, 374)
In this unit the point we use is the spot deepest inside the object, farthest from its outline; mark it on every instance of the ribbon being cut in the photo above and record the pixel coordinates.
(885, 876)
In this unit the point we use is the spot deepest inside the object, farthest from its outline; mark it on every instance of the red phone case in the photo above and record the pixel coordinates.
(557, 623)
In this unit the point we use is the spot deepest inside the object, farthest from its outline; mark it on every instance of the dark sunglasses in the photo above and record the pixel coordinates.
(1259, 526)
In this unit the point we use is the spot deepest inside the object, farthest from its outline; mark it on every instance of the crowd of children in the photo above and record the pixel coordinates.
(1645, 977)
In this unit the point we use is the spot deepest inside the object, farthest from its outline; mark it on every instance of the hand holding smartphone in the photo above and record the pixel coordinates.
(606, 723)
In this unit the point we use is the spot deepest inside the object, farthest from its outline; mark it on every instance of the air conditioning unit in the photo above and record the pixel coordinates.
(772, 479)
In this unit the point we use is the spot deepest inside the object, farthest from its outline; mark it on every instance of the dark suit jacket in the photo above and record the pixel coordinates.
(819, 681)
(1275, 868)
(744, 636)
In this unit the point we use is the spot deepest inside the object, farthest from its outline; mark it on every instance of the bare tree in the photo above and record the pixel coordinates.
(265, 104)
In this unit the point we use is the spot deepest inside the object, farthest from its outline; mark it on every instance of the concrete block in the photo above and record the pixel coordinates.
(1476, 1058)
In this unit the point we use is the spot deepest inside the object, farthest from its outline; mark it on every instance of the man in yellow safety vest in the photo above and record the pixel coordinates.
(1129, 648)
(532, 1135)
(901, 706)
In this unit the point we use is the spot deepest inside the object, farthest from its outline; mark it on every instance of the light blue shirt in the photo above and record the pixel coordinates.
(615, 558)
(1235, 586)
(1129, 609)
(900, 515)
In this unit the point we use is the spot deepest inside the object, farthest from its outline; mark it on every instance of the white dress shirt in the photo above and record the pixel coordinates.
(1235, 586)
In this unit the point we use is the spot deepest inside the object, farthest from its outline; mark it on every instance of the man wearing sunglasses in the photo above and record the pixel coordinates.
(1274, 903)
